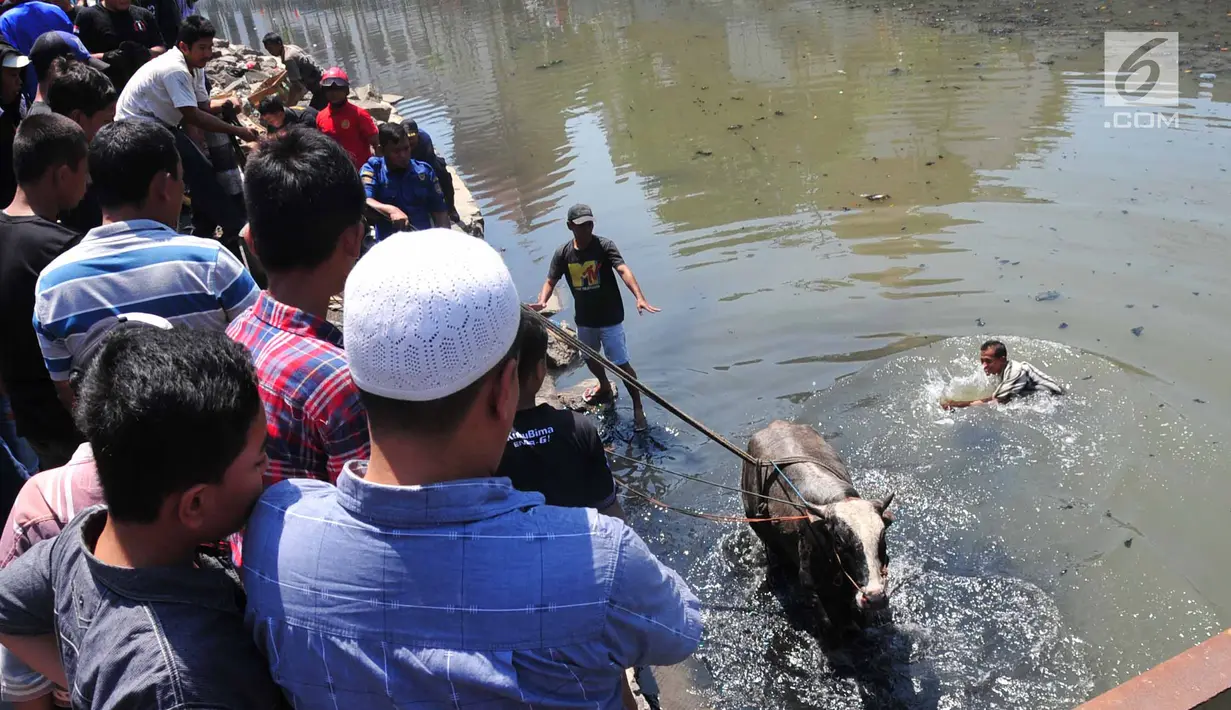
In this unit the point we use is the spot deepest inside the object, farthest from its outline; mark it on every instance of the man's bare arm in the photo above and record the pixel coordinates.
(40, 653)
(631, 282)
(544, 293)
(194, 116)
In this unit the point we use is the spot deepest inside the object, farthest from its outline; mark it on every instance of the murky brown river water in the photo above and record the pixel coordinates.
(1045, 552)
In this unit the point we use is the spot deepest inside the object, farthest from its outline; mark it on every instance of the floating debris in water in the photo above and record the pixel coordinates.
(1138, 330)
(779, 113)
(735, 126)
(930, 162)
(705, 152)
(1130, 305)
(552, 63)
(1047, 296)
(1063, 326)
(1199, 401)
(979, 322)
(874, 197)
(1208, 76)
(1128, 542)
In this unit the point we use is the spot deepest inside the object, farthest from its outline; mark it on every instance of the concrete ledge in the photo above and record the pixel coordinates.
(1198, 678)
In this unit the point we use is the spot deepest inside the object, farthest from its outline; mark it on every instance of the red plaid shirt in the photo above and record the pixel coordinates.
(315, 420)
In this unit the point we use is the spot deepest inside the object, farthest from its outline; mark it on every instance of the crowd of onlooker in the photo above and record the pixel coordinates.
(213, 499)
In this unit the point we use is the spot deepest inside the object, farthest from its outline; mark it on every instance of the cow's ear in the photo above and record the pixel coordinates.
(882, 507)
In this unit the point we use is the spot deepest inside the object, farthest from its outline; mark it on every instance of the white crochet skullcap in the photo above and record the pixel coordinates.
(428, 313)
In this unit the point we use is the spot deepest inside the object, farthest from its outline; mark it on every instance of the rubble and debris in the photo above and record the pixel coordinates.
(248, 76)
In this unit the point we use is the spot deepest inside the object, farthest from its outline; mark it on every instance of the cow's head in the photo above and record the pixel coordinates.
(851, 539)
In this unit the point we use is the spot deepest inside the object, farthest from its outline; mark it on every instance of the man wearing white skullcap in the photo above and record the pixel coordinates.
(421, 578)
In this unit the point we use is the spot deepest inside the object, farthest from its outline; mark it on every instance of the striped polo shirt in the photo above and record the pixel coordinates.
(141, 266)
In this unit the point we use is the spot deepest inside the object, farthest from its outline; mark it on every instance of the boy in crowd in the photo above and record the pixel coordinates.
(592, 263)
(135, 261)
(126, 607)
(24, 24)
(85, 95)
(45, 505)
(275, 116)
(169, 90)
(552, 451)
(49, 157)
(345, 122)
(13, 108)
(402, 190)
(306, 211)
(465, 591)
(47, 49)
(302, 71)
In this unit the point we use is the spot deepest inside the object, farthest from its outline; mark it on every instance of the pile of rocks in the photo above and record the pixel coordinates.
(238, 71)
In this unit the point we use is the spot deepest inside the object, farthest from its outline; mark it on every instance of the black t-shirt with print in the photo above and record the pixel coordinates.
(27, 246)
(591, 277)
(558, 453)
(101, 30)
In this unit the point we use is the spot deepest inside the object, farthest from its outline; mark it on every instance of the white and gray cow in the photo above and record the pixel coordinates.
(838, 552)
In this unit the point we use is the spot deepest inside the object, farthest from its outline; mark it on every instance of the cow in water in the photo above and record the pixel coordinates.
(838, 552)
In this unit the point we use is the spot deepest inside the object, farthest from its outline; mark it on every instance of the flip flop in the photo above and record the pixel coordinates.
(588, 396)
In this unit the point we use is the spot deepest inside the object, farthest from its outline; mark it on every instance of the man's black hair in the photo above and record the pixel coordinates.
(302, 191)
(196, 28)
(164, 410)
(126, 156)
(391, 133)
(411, 126)
(44, 65)
(271, 104)
(78, 87)
(998, 349)
(533, 336)
(439, 416)
(271, 38)
(45, 142)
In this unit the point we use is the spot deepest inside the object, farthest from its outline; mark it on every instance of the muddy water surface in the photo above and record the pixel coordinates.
(1044, 552)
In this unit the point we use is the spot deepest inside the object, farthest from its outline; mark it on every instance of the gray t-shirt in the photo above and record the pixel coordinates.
(156, 637)
(301, 67)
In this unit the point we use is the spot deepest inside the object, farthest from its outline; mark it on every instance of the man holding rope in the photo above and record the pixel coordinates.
(592, 263)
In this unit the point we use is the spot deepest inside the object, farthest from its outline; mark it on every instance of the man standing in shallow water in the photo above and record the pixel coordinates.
(591, 263)
(1017, 378)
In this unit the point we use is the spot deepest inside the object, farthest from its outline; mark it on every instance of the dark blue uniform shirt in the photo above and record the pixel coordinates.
(415, 191)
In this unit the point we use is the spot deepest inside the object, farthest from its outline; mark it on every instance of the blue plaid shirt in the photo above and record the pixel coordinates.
(466, 594)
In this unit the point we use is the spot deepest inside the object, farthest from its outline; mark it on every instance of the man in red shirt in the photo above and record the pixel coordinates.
(345, 122)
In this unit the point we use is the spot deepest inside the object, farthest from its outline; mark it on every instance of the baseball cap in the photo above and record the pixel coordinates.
(10, 58)
(59, 43)
(427, 314)
(580, 214)
(93, 339)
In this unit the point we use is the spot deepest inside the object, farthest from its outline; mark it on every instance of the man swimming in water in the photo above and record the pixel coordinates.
(1016, 378)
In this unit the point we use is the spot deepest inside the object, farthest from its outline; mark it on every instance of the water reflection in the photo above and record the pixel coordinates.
(714, 113)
